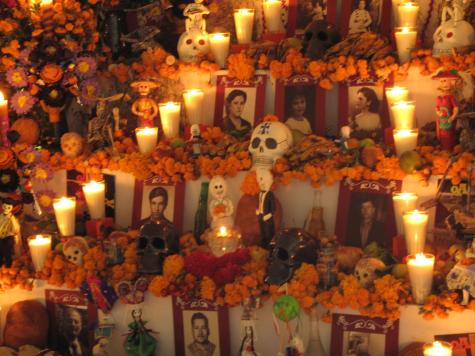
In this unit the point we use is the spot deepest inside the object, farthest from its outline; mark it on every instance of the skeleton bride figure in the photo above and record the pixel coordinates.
(360, 19)
(221, 208)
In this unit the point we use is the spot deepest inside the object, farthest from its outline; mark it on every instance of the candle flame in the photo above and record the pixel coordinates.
(405, 30)
(437, 345)
(420, 256)
(223, 231)
(245, 11)
(39, 237)
(409, 4)
(397, 90)
(218, 36)
(405, 196)
(405, 133)
(403, 104)
(2, 98)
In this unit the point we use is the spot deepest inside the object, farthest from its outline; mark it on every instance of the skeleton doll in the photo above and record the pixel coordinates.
(72, 144)
(221, 208)
(100, 127)
(193, 44)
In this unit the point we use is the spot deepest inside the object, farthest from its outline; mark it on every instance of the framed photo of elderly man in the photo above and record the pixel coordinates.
(155, 200)
(201, 328)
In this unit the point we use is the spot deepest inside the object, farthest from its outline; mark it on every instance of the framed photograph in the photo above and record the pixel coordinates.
(73, 321)
(463, 344)
(161, 200)
(357, 335)
(300, 103)
(359, 16)
(201, 328)
(304, 12)
(365, 212)
(239, 104)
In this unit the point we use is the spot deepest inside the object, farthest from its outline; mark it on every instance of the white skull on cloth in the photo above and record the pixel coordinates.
(193, 45)
(74, 250)
(269, 141)
(450, 35)
(366, 270)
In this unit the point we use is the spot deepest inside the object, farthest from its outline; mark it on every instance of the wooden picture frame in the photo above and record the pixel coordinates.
(361, 197)
(356, 334)
(202, 322)
(66, 308)
(379, 11)
(305, 86)
(463, 344)
(156, 188)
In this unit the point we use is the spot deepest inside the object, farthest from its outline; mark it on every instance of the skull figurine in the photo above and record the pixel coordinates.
(269, 141)
(74, 250)
(318, 37)
(366, 270)
(193, 45)
(290, 248)
(72, 144)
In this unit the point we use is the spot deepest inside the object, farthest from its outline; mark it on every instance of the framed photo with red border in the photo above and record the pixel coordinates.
(303, 12)
(239, 103)
(300, 103)
(201, 327)
(73, 321)
(154, 196)
(463, 344)
(365, 212)
(355, 15)
(361, 335)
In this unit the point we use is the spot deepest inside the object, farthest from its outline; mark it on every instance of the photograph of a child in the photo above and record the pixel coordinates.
(239, 111)
(363, 344)
(300, 108)
(365, 105)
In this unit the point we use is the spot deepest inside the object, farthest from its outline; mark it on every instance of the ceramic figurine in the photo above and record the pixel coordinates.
(195, 139)
(145, 107)
(9, 233)
(447, 108)
(139, 340)
(74, 249)
(193, 44)
(360, 19)
(221, 208)
(72, 144)
(100, 128)
(266, 207)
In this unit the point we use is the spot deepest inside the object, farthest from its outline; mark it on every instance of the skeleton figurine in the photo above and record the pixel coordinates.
(193, 44)
(221, 208)
(100, 128)
(195, 139)
(266, 207)
(145, 107)
(9, 233)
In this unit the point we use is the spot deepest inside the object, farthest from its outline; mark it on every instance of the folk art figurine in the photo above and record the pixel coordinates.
(139, 339)
(145, 107)
(266, 207)
(195, 139)
(193, 44)
(9, 233)
(221, 208)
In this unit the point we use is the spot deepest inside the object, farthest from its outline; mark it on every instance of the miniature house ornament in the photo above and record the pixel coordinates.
(193, 44)
(221, 208)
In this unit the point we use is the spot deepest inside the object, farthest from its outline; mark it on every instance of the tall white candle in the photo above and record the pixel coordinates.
(405, 43)
(405, 140)
(219, 46)
(421, 273)
(170, 118)
(39, 246)
(95, 193)
(244, 22)
(438, 348)
(4, 121)
(407, 14)
(403, 115)
(65, 212)
(403, 202)
(146, 139)
(272, 15)
(395, 4)
(393, 95)
(193, 99)
(415, 230)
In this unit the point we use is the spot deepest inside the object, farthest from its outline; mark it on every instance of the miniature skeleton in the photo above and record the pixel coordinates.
(221, 208)
(266, 207)
(193, 44)
(145, 107)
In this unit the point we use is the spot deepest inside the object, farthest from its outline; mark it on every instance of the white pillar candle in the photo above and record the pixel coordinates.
(393, 95)
(244, 22)
(403, 202)
(4, 121)
(272, 15)
(438, 348)
(415, 230)
(146, 139)
(170, 118)
(65, 212)
(421, 273)
(405, 140)
(219, 46)
(39, 246)
(407, 14)
(405, 43)
(95, 193)
(193, 99)
(395, 4)
(403, 115)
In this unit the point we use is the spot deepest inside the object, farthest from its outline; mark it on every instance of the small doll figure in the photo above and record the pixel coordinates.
(266, 207)
(447, 108)
(247, 344)
(221, 208)
(100, 127)
(139, 340)
(145, 107)
(195, 139)
(9, 233)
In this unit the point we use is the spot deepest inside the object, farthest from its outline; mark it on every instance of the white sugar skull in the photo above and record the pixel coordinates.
(74, 250)
(453, 35)
(366, 270)
(269, 141)
(218, 187)
(193, 45)
(72, 144)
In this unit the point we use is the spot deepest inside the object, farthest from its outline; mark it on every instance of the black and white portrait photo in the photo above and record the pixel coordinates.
(239, 111)
(72, 338)
(309, 11)
(157, 204)
(363, 344)
(365, 105)
(300, 108)
(365, 16)
(204, 337)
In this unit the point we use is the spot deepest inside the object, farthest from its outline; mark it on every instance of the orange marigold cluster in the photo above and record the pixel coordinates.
(240, 66)
(20, 274)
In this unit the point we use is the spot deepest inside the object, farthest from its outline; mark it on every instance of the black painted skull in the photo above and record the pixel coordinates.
(290, 248)
(318, 37)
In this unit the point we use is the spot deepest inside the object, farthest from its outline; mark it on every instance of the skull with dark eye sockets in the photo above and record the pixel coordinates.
(318, 37)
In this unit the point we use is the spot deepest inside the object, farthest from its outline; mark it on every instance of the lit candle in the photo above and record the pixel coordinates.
(4, 122)
(146, 139)
(405, 140)
(438, 348)
(405, 43)
(44, 3)
(65, 212)
(407, 14)
(421, 273)
(95, 198)
(219, 46)
(403, 202)
(403, 115)
(223, 231)
(39, 246)
(395, 4)
(193, 99)
(415, 230)
(170, 118)
(272, 15)
(393, 95)
(222, 240)
(244, 22)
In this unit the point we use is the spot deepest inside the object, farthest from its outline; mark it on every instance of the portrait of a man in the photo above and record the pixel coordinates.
(72, 340)
(156, 203)
(200, 331)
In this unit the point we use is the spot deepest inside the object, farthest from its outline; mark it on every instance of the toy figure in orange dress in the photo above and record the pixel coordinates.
(145, 107)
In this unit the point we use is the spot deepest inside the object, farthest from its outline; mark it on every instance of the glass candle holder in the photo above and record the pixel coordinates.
(219, 46)
(95, 194)
(244, 22)
(272, 15)
(403, 114)
(407, 14)
(437, 348)
(405, 43)
(65, 213)
(39, 246)
(415, 230)
(170, 119)
(405, 140)
(147, 138)
(403, 202)
(193, 100)
(222, 240)
(421, 273)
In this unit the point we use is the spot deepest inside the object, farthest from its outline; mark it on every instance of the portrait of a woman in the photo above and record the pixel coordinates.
(365, 121)
(360, 19)
(298, 110)
(234, 123)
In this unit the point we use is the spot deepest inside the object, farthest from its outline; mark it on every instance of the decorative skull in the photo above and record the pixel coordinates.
(269, 141)
(290, 248)
(74, 250)
(450, 35)
(366, 270)
(218, 187)
(72, 144)
(318, 37)
(193, 45)
(156, 241)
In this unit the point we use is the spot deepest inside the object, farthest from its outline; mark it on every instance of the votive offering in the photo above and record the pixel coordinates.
(39, 246)
(65, 213)
(193, 99)
(170, 119)
(415, 230)
(95, 193)
(405, 43)
(405, 140)
(146, 139)
(393, 95)
(403, 115)
(421, 273)
(222, 240)
(219, 47)
(244, 22)
(403, 202)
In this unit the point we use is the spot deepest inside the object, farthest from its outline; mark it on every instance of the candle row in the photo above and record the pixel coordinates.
(405, 20)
